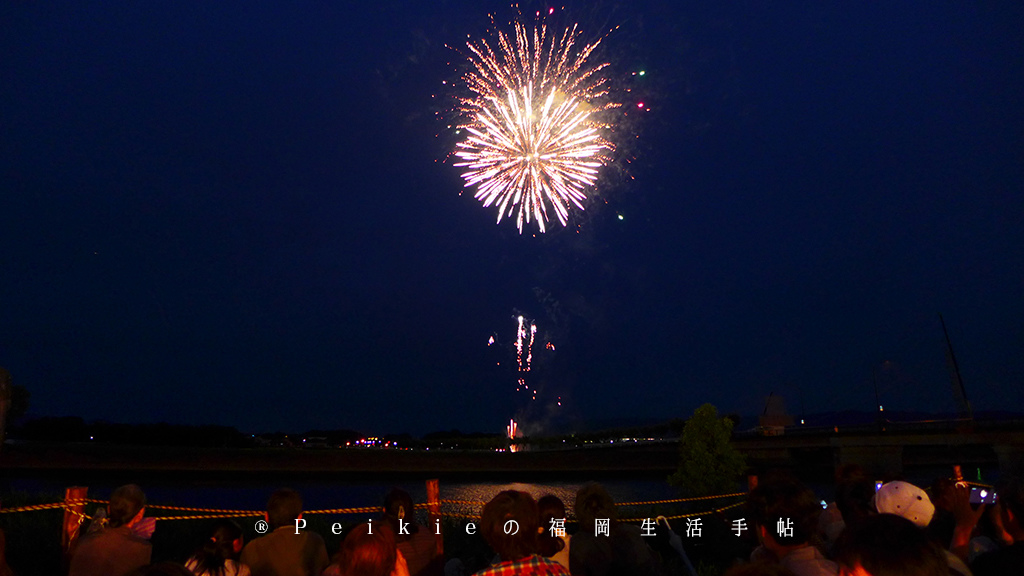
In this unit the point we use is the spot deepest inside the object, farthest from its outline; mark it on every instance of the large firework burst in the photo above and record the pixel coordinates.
(533, 118)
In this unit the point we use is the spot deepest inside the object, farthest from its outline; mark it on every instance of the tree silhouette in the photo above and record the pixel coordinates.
(708, 463)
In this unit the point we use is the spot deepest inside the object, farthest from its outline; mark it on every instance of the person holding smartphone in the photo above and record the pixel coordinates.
(1008, 560)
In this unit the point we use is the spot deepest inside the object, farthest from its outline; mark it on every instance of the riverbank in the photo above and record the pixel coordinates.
(39, 458)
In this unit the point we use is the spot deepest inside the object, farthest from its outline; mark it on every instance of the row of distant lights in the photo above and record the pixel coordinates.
(372, 442)
(620, 440)
(389, 444)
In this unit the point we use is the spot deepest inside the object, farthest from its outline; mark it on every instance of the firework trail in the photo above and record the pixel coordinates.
(525, 366)
(529, 347)
(520, 333)
(525, 337)
(535, 139)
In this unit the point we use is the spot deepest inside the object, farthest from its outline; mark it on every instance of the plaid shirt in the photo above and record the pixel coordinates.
(529, 566)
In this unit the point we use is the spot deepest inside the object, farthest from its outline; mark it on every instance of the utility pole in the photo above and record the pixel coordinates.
(874, 380)
(959, 392)
(6, 394)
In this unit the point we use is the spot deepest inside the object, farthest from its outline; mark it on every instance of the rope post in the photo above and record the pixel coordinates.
(751, 483)
(434, 511)
(73, 514)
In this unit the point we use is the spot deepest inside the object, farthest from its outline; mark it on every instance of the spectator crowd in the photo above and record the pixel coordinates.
(888, 529)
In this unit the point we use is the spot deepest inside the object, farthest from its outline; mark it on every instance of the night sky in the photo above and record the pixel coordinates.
(242, 213)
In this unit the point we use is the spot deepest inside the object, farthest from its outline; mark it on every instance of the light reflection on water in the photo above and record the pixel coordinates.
(620, 490)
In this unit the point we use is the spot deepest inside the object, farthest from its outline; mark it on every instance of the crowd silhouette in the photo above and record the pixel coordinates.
(870, 529)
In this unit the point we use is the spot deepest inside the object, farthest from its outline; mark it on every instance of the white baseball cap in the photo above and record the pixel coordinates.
(906, 500)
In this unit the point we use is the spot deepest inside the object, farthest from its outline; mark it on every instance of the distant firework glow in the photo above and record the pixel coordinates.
(512, 430)
(535, 139)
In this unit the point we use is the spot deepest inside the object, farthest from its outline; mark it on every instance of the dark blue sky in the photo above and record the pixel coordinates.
(238, 213)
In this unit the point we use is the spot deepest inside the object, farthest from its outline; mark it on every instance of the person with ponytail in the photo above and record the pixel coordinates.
(218, 555)
(418, 544)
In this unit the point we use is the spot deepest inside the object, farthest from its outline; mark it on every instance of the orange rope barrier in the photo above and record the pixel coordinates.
(363, 510)
(211, 513)
(695, 499)
(205, 517)
(210, 510)
(690, 515)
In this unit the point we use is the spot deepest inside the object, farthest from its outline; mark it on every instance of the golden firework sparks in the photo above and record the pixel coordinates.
(535, 139)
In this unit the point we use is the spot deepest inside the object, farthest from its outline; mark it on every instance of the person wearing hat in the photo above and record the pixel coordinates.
(912, 503)
(906, 500)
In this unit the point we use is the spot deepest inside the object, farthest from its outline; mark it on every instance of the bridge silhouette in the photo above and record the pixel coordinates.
(890, 447)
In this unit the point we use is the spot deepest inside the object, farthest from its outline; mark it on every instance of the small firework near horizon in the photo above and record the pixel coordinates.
(533, 117)
(512, 431)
